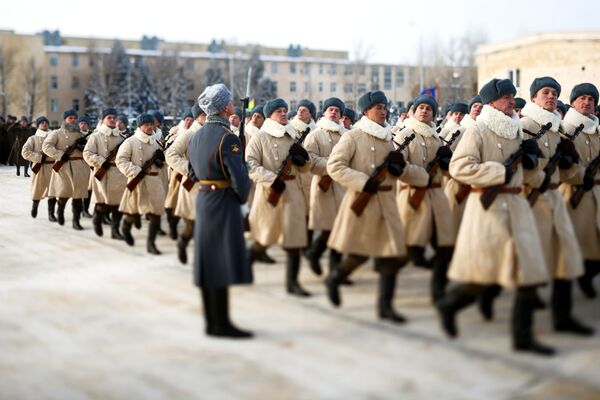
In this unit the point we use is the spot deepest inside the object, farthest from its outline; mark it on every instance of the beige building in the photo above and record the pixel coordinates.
(61, 69)
(569, 57)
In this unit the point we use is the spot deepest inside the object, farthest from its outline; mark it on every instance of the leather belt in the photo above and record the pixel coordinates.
(506, 190)
(152, 173)
(75, 158)
(49, 162)
(384, 188)
(288, 177)
(553, 186)
(432, 186)
(211, 185)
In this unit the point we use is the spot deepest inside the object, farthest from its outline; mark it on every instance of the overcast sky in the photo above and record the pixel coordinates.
(390, 30)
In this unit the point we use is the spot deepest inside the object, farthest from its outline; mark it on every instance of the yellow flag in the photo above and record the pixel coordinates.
(251, 104)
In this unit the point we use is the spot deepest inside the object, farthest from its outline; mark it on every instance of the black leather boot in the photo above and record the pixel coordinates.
(385, 309)
(562, 304)
(184, 239)
(60, 211)
(417, 255)
(34, 208)
(86, 205)
(172, 220)
(486, 301)
(335, 259)
(292, 271)
(216, 313)
(337, 276)
(127, 222)
(51, 207)
(152, 232)
(522, 324)
(99, 210)
(263, 257)
(592, 268)
(26, 174)
(137, 221)
(77, 205)
(451, 303)
(314, 252)
(439, 279)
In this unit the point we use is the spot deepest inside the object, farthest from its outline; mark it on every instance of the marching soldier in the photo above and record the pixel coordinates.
(142, 153)
(557, 234)
(348, 118)
(71, 181)
(586, 214)
(284, 222)
(235, 120)
(217, 165)
(100, 153)
(519, 104)
(423, 206)
(325, 195)
(84, 127)
(19, 132)
(500, 244)
(32, 151)
(123, 126)
(475, 107)
(376, 232)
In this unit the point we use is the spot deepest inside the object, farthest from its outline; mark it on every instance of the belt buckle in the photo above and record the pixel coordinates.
(213, 187)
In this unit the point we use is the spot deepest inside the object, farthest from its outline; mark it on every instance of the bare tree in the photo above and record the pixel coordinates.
(33, 87)
(7, 66)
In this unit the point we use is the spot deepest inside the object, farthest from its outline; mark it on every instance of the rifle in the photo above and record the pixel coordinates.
(490, 193)
(145, 169)
(325, 183)
(284, 169)
(379, 175)
(68, 151)
(106, 164)
(549, 170)
(419, 194)
(35, 168)
(245, 101)
(591, 170)
(463, 192)
(188, 184)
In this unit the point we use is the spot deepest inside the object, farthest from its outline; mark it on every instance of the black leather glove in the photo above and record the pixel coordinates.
(370, 186)
(298, 160)
(531, 153)
(64, 157)
(299, 150)
(278, 185)
(396, 163)
(81, 141)
(159, 158)
(508, 174)
(445, 155)
(588, 182)
(569, 155)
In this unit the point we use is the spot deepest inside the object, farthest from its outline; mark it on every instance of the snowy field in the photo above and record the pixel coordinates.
(83, 317)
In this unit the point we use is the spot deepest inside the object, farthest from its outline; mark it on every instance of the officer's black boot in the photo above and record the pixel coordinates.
(18, 170)
(115, 223)
(152, 232)
(439, 279)
(314, 252)
(86, 205)
(172, 220)
(160, 230)
(292, 272)
(253, 252)
(77, 206)
(106, 218)
(127, 222)
(137, 221)
(216, 311)
(337, 276)
(562, 304)
(34, 208)
(184, 239)
(522, 324)
(60, 212)
(385, 309)
(26, 174)
(51, 207)
(451, 303)
(335, 259)
(417, 255)
(99, 210)
(585, 281)
(263, 257)
(486, 301)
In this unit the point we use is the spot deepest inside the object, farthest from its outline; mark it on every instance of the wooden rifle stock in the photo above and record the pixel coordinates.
(68, 151)
(592, 170)
(187, 184)
(110, 157)
(284, 169)
(35, 168)
(137, 179)
(379, 174)
(325, 183)
(463, 192)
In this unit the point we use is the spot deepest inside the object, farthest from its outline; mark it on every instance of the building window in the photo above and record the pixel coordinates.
(514, 75)
(275, 86)
(320, 86)
(320, 105)
(321, 69)
(273, 68)
(305, 68)
(76, 104)
(306, 87)
(74, 60)
(292, 68)
(53, 82)
(362, 69)
(387, 78)
(347, 88)
(399, 77)
(53, 105)
(190, 84)
(75, 82)
(53, 60)
(292, 86)
(293, 105)
(375, 77)
(333, 87)
(348, 70)
(362, 88)
(189, 63)
(332, 69)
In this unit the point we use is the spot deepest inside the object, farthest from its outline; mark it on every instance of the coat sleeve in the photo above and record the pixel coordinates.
(175, 154)
(49, 146)
(231, 153)
(319, 164)
(29, 154)
(254, 156)
(90, 152)
(414, 175)
(123, 160)
(338, 165)
(467, 167)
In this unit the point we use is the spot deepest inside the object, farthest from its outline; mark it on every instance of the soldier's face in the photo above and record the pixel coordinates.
(457, 116)
(547, 98)
(584, 104)
(43, 126)
(333, 113)
(121, 125)
(476, 110)
(110, 121)
(188, 122)
(23, 123)
(280, 115)
(83, 126)
(424, 113)
(346, 121)
(71, 120)
(201, 119)
(234, 120)
(148, 128)
(505, 104)
(377, 113)
(257, 120)
(304, 114)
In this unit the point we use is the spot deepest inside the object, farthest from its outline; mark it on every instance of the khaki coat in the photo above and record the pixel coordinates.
(32, 152)
(177, 157)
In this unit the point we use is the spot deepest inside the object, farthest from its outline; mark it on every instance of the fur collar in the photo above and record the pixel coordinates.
(500, 123)
(467, 121)
(575, 118)
(143, 137)
(300, 125)
(423, 129)
(541, 116)
(251, 130)
(195, 126)
(106, 131)
(451, 125)
(275, 129)
(329, 125)
(42, 133)
(374, 129)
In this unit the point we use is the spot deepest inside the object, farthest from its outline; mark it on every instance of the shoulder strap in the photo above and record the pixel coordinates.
(221, 154)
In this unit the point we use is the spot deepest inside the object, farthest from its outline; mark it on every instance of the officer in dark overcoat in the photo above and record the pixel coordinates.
(217, 163)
